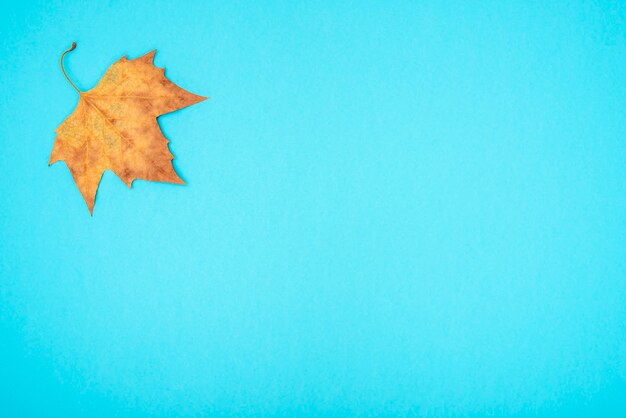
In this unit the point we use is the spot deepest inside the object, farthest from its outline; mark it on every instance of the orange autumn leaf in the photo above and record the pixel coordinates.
(114, 126)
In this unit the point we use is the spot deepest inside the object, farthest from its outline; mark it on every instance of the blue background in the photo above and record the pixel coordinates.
(391, 208)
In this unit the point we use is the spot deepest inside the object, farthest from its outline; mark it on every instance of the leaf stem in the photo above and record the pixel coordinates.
(63, 69)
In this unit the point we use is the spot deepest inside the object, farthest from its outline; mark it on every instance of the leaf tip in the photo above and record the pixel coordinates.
(197, 98)
(147, 58)
(52, 160)
(176, 179)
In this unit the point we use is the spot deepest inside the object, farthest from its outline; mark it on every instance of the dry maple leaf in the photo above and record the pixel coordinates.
(114, 126)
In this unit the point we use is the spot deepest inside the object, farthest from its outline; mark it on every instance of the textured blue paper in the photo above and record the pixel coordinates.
(392, 208)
